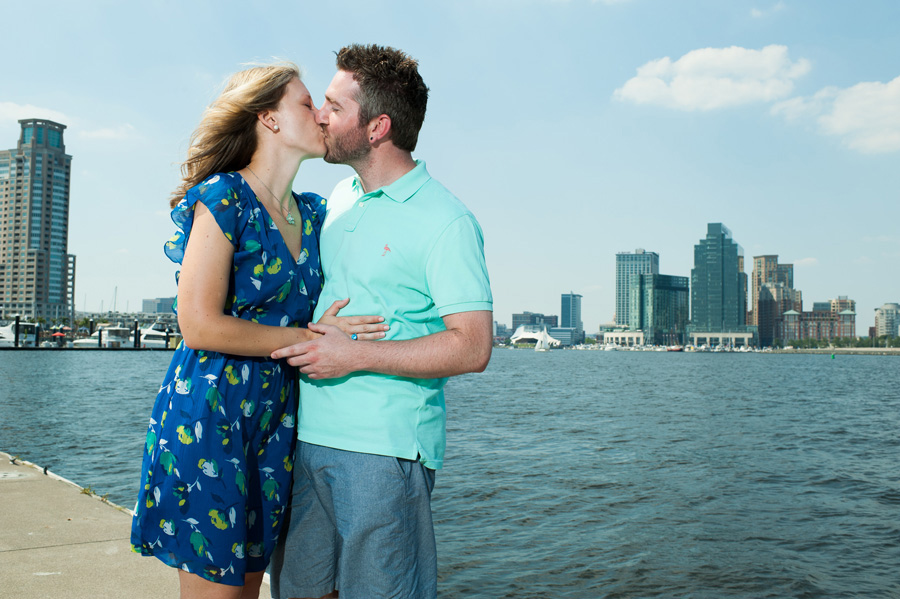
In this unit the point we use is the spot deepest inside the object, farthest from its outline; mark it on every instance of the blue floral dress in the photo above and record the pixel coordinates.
(217, 467)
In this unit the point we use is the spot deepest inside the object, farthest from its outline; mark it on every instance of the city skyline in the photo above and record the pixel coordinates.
(634, 123)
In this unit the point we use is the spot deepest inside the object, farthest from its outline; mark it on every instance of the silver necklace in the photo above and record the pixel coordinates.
(285, 209)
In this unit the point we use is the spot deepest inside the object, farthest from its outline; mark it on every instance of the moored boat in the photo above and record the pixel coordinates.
(110, 337)
(27, 335)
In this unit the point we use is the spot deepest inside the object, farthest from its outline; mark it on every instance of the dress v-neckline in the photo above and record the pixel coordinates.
(274, 226)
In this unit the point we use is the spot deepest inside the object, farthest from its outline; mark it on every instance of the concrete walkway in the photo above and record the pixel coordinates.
(56, 541)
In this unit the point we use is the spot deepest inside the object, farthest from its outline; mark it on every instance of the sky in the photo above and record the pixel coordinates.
(573, 129)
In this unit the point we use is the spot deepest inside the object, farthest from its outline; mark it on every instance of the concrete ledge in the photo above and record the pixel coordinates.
(58, 541)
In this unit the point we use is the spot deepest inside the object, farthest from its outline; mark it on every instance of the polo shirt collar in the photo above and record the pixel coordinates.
(403, 188)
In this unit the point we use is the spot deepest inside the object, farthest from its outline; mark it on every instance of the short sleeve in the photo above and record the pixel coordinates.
(221, 194)
(456, 270)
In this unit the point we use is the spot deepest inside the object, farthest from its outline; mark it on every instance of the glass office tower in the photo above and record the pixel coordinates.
(628, 266)
(37, 275)
(718, 283)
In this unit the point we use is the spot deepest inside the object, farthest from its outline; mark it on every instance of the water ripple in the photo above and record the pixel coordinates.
(585, 474)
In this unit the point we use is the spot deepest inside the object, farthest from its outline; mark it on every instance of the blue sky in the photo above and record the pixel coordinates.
(573, 129)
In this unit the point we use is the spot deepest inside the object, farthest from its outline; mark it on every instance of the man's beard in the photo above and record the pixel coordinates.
(347, 148)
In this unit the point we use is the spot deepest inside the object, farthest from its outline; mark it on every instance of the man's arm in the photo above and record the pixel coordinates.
(464, 347)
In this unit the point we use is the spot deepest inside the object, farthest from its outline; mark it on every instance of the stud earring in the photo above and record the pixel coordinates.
(371, 139)
(276, 128)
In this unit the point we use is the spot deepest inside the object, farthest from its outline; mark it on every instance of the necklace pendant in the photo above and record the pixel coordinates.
(290, 219)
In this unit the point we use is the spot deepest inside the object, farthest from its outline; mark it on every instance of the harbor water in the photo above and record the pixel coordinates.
(584, 474)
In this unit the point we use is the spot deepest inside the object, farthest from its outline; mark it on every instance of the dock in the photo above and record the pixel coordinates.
(59, 540)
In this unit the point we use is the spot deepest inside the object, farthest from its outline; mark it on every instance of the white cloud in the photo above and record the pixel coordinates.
(805, 262)
(711, 78)
(12, 112)
(757, 13)
(866, 116)
(125, 131)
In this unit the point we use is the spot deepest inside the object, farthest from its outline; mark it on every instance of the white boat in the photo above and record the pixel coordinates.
(110, 336)
(155, 337)
(543, 344)
(27, 332)
(610, 347)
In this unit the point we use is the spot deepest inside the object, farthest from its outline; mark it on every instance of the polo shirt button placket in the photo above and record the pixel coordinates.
(356, 213)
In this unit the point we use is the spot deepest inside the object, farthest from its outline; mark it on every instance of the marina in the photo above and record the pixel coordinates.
(29, 335)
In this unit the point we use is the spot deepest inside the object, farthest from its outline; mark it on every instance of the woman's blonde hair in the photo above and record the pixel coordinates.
(225, 139)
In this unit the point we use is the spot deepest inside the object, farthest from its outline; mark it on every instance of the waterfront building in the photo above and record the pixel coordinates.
(37, 274)
(567, 336)
(887, 320)
(628, 266)
(533, 333)
(821, 326)
(570, 316)
(659, 306)
(534, 318)
(622, 337)
(773, 301)
(719, 291)
(766, 269)
(159, 305)
(772, 294)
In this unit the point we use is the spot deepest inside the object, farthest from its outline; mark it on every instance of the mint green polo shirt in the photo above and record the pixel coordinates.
(413, 253)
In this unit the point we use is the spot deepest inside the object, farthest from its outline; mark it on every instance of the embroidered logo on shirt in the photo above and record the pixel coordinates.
(386, 250)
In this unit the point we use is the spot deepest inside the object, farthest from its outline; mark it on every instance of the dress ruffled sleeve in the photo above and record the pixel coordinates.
(221, 194)
(316, 205)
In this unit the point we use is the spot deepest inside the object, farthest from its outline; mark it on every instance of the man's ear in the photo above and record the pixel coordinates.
(379, 128)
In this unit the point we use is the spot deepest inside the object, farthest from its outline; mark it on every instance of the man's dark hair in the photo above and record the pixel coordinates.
(390, 84)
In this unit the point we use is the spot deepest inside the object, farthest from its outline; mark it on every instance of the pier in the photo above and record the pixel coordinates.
(59, 540)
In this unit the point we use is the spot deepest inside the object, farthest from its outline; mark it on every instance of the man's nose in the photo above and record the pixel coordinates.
(321, 116)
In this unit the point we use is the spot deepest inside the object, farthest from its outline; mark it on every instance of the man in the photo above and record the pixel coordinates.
(371, 427)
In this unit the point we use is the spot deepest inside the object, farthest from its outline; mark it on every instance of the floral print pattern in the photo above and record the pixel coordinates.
(217, 464)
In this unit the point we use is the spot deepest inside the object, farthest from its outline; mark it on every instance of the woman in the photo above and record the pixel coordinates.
(217, 467)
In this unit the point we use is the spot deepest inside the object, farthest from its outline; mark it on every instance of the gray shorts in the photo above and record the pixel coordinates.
(359, 523)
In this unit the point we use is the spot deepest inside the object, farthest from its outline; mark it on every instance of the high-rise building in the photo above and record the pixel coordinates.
(841, 304)
(772, 294)
(719, 290)
(660, 308)
(887, 320)
(628, 266)
(37, 275)
(766, 269)
(570, 315)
